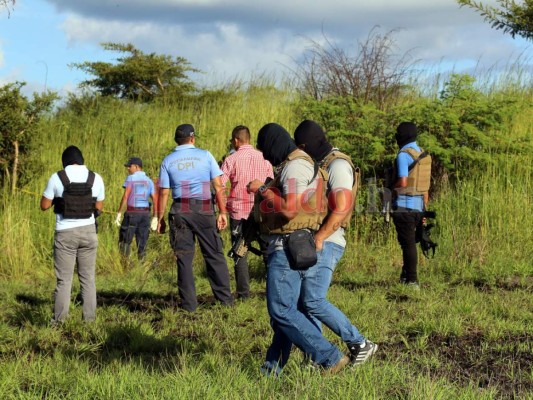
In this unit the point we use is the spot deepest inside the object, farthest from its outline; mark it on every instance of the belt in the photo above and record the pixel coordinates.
(138, 208)
(183, 200)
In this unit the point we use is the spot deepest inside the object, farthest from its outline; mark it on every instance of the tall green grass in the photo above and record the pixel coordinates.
(467, 334)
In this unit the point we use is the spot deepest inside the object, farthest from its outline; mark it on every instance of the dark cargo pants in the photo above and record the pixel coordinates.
(187, 222)
(406, 222)
(135, 224)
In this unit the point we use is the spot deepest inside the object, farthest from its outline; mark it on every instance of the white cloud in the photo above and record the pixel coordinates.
(236, 37)
(224, 50)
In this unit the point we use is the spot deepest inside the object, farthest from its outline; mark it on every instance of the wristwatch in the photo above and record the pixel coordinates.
(262, 189)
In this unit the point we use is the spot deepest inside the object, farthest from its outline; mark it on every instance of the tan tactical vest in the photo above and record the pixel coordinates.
(310, 216)
(332, 156)
(419, 178)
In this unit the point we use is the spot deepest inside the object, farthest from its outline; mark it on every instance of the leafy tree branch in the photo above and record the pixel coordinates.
(512, 17)
(138, 76)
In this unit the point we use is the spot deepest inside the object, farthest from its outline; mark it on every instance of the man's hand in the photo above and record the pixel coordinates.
(118, 220)
(254, 186)
(153, 224)
(222, 221)
(46, 203)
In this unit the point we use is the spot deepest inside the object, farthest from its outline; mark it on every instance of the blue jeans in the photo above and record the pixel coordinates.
(290, 325)
(313, 296)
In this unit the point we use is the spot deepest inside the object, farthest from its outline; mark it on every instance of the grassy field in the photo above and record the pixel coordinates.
(468, 334)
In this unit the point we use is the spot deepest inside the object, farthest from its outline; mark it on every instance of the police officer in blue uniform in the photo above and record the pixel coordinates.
(138, 189)
(189, 173)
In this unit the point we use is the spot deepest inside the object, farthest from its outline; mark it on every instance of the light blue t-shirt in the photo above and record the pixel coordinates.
(54, 188)
(403, 161)
(188, 171)
(142, 188)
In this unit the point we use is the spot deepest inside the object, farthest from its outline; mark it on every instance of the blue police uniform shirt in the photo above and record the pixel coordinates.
(403, 161)
(188, 171)
(142, 188)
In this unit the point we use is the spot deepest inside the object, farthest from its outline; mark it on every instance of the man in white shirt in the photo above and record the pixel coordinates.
(77, 194)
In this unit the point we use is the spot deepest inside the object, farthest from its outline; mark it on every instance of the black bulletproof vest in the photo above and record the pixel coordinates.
(77, 201)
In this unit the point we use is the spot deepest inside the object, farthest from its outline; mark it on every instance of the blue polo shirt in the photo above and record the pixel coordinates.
(188, 171)
(142, 188)
(403, 161)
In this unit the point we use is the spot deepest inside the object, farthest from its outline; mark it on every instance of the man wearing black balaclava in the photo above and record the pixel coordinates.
(275, 143)
(285, 206)
(77, 194)
(342, 189)
(409, 202)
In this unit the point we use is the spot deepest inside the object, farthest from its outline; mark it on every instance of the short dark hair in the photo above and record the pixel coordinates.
(183, 131)
(242, 133)
(186, 140)
(72, 155)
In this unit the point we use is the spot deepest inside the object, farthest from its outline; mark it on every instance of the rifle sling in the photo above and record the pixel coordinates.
(421, 156)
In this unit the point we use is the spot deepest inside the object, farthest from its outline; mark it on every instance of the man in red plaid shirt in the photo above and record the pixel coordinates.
(240, 168)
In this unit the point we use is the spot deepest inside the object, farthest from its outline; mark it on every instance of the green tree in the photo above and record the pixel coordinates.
(138, 76)
(512, 17)
(18, 123)
(461, 128)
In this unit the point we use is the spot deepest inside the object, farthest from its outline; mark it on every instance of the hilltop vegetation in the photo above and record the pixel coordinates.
(467, 334)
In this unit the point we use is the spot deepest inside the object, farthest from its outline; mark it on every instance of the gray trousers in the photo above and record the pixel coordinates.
(71, 247)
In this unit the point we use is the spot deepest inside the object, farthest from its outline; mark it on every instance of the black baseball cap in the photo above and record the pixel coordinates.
(184, 131)
(134, 161)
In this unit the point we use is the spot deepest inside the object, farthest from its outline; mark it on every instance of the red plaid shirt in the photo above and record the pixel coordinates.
(240, 168)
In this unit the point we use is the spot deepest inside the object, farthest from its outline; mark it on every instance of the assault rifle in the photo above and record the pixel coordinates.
(423, 233)
(245, 232)
(386, 194)
(387, 205)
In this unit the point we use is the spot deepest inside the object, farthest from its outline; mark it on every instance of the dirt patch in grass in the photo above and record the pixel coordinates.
(151, 302)
(137, 301)
(353, 286)
(510, 283)
(503, 364)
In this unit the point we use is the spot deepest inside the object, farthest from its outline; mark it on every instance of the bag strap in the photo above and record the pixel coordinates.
(65, 181)
(90, 179)
(64, 178)
(315, 173)
(422, 155)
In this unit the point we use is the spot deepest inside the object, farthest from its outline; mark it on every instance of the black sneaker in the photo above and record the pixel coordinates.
(359, 354)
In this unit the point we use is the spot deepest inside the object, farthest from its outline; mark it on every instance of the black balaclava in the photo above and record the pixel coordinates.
(405, 133)
(313, 137)
(72, 155)
(275, 143)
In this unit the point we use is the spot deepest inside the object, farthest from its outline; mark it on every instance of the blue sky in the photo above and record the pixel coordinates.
(238, 38)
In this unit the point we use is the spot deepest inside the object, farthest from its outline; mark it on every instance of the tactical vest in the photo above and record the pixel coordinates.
(419, 178)
(310, 216)
(77, 201)
(332, 156)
